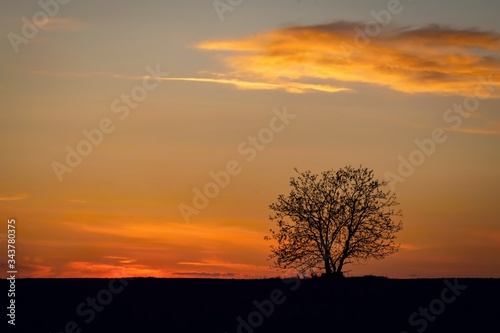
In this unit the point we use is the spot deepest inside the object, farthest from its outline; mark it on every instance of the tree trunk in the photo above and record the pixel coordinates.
(328, 268)
(337, 274)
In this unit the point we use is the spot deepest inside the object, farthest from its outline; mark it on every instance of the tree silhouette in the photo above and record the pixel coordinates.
(333, 219)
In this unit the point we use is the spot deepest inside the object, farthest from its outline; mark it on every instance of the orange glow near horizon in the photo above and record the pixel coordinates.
(204, 250)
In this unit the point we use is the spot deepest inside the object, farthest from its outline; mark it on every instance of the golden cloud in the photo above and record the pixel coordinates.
(292, 87)
(432, 59)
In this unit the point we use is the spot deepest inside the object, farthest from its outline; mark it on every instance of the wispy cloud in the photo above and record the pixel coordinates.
(411, 247)
(59, 24)
(432, 59)
(479, 131)
(215, 263)
(205, 274)
(93, 269)
(14, 197)
(221, 268)
(121, 260)
(292, 87)
(484, 127)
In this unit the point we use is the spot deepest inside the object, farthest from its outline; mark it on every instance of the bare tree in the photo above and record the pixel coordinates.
(333, 219)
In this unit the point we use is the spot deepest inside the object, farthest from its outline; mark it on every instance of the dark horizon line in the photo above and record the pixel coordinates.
(250, 279)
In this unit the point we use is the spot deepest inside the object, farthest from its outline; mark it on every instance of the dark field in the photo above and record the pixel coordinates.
(365, 304)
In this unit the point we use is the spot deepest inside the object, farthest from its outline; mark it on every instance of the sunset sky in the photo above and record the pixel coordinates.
(115, 115)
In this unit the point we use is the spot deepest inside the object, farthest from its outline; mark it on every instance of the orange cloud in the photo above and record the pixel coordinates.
(121, 260)
(484, 126)
(86, 269)
(205, 275)
(408, 247)
(35, 271)
(216, 263)
(433, 59)
(220, 268)
(14, 197)
(479, 131)
(153, 250)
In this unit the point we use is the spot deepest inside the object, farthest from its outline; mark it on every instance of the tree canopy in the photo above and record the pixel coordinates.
(332, 219)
